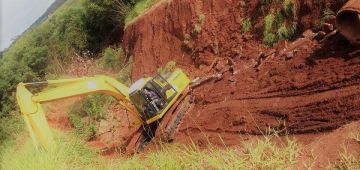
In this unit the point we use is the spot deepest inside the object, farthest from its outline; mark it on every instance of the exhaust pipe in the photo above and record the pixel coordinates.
(348, 21)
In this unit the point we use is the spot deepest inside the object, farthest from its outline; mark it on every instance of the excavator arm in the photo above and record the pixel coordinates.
(34, 116)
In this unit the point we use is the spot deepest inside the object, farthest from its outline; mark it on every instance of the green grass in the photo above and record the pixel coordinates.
(327, 14)
(71, 154)
(113, 58)
(245, 25)
(287, 32)
(139, 8)
(275, 28)
(75, 27)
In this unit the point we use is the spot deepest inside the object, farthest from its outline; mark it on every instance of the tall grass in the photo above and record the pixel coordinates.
(71, 154)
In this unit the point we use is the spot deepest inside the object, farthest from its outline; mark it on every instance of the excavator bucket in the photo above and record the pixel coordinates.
(348, 21)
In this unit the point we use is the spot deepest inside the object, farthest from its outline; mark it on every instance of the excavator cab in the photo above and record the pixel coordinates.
(162, 94)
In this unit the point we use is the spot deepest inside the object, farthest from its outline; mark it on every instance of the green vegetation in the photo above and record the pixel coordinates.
(84, 115)
(245, 25)
(76, 27)
(327, 14)
(198, 25)
(139, 8)
(269, 37)
(71, 154)
(113, 58)
(265, 2)
(281, 24)
(197, 28)
(347, 159)
(124, 75)
(289, 7)
(287, 32)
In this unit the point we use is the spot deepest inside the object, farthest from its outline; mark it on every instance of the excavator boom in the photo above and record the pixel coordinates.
(33, 114)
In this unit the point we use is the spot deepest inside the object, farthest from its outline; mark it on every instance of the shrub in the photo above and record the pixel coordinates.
(278, 19)
(287, 32)
(268, 22)
(76, 26)
(245, 25)
(289, 8)
(113, 58)
(102, 17)
(84, 115)
(270, 39)
(198, 25)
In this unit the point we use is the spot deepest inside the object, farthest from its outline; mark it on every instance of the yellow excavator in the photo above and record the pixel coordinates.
(148, 99)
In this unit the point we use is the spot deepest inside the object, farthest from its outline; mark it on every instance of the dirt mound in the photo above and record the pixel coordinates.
(309, 85)
(326, 150)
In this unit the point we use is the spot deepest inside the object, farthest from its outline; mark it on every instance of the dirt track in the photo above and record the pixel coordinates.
(304, 86)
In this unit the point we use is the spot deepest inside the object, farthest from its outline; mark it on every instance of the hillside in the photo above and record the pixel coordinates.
(279, 84)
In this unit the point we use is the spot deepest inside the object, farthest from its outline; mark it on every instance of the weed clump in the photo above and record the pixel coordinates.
(326, 15)
(198, 25)
(245, 25)
(113, 58)
(85, 114)
(289, 7)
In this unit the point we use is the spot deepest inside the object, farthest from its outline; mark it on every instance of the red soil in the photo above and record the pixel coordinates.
(303, 88)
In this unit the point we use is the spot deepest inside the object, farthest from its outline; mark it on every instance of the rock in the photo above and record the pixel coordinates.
(232, 79)
(330, 35)
(326, 27)
(289, 55)
(320, 35)
(104, 126)
(309, 34)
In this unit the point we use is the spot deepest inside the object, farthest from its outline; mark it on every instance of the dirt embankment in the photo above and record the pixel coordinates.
(307, 85)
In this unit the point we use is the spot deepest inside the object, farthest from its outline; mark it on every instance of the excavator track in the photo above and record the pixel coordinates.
(172, 119)
(161, 130)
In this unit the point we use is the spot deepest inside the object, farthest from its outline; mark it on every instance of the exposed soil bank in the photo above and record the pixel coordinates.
(304, 86)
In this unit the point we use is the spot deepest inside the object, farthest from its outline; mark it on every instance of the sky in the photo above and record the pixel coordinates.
(17, 15)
